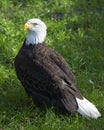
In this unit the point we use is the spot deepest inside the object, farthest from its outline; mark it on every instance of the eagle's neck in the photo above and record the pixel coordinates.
(35, 37)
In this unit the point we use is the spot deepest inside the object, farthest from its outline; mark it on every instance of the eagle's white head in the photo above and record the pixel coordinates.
(36, 31)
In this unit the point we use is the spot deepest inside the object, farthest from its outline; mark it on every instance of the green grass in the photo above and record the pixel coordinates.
(76, 31)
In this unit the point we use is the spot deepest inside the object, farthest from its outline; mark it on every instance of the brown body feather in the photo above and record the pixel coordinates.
(47, 77)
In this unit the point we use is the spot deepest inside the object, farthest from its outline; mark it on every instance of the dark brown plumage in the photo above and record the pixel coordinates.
(47, 77)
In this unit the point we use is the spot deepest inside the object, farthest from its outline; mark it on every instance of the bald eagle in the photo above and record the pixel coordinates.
(46, 76)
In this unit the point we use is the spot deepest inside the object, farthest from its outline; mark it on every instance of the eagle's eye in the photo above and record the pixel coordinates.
(35, 24)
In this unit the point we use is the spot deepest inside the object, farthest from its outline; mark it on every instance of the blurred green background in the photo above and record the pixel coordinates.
(76, 31)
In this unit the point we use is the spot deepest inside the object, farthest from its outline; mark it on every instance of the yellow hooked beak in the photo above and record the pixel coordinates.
(27, 26)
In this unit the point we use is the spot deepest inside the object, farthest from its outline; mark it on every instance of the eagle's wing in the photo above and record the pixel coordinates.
(67, 83)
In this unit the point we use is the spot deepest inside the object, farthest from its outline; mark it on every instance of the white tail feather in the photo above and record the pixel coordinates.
(87, 109)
